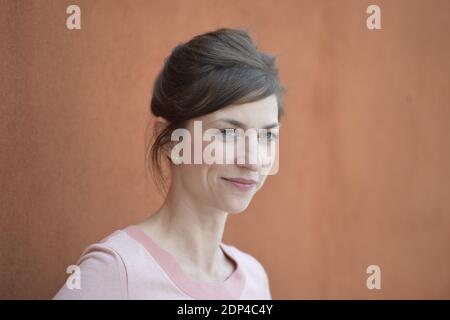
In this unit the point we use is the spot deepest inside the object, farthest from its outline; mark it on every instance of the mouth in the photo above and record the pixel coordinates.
(241, 183)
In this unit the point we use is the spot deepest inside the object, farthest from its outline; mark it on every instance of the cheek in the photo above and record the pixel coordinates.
(263, 180)
(215, 151)
(202, 177)
(193, 176)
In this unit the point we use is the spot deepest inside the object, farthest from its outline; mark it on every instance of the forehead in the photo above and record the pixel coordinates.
(254, 114)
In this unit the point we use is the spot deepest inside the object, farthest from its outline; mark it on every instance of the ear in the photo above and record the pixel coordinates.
(159, 125)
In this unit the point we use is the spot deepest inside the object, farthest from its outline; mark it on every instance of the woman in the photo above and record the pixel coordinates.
(220, 80)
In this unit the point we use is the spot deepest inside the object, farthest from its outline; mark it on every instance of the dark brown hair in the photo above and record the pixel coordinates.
(207, 73)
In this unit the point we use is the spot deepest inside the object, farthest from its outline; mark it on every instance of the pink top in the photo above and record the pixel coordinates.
(128, 264)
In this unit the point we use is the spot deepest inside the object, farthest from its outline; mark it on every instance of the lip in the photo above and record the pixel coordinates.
(241, 183)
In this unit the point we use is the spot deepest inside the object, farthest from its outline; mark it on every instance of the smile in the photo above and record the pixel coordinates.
(241, 184)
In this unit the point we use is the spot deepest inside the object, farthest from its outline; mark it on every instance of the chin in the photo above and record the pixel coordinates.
(237, 207)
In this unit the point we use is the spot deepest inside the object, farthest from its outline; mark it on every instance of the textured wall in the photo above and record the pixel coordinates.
(365, 160)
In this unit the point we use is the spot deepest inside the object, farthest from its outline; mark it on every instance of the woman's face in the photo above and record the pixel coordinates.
(230, 185)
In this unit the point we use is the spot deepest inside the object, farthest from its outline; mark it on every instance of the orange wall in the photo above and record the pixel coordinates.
(365, 160)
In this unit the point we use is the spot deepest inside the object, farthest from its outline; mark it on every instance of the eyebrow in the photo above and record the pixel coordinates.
(240, 124)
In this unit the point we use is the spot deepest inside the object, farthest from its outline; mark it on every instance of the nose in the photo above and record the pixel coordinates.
(248, 155)
(250, 166)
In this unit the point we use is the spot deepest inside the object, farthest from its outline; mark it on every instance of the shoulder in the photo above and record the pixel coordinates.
(249, 262)
(108, 252)
(116, 242)
(257, 279)
(101, 270)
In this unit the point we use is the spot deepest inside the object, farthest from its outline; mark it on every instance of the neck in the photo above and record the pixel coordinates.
(192, 231)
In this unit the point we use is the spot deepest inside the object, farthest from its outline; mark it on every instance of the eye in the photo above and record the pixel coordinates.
(269, 135)
(228, 133)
